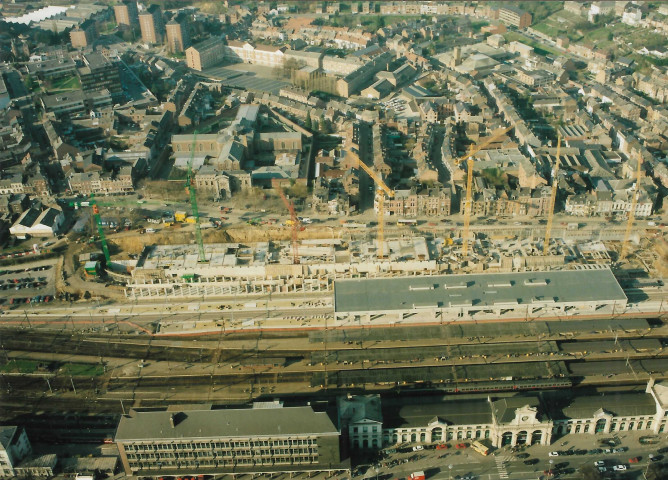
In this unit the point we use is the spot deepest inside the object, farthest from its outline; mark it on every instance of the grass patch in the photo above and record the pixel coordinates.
(20, 366)
(66, 83)
(539, 48)
(178, 174)
(82, 369)
(494, 177)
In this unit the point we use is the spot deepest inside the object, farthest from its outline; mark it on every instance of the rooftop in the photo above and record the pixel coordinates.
(484, 290)
(454, 412)
(223, 423)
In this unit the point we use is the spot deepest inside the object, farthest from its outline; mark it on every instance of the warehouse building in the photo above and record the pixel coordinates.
(196, 440)
(521, 295)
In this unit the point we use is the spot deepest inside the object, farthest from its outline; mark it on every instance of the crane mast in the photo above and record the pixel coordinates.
(553, 200)
(632, 213)
(293, 228)
(382, 191)
(98, 223)
(193, 201)
(468, 205)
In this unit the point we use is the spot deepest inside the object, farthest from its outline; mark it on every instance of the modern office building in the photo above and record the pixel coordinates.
(151, 24)
(515, 16)
(100, 73)
(14, 447)
(205, 54)
(197, 439)
(127, 14)
(178, 38)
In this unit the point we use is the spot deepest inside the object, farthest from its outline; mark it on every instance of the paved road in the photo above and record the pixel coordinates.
(504, 465)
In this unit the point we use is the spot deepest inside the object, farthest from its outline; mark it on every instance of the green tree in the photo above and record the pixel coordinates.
(589, 472)
(308, 123)
(321, 123)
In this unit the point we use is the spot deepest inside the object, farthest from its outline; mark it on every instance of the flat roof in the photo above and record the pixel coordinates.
(275, 422)
(476, 290)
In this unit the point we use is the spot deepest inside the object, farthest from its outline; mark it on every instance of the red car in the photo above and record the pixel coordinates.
(442, 446)
(459, 446)
(634, 460)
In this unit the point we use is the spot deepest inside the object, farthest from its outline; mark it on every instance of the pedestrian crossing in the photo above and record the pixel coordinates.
(501, 466)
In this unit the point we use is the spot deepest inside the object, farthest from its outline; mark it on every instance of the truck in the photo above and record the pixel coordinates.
(416, 476)
(180, 216)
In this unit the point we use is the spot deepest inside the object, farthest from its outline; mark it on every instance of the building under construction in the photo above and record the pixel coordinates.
(233, 268)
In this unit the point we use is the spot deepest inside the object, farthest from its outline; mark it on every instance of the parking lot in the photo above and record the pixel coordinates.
(616, 458)
(29, 283)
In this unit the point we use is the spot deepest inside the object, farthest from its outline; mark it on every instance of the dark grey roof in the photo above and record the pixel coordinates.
(450, 291)
(504, 408)
(50, 217)
(29, 217)
(224, 423)
(454, 412)
(7, 434)
(619, 404)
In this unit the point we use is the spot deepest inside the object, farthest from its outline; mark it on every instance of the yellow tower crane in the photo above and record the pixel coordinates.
(553, 200)
(469, 181)
(632, 213)
(383, 190)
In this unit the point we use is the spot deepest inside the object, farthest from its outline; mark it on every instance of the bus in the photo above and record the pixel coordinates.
(480, 448)
(404, 222)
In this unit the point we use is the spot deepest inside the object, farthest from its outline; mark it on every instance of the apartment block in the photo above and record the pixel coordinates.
(151, 24)
(127, 14)
(83, 35)
(178, 38)
(205, 54)
(515, 16)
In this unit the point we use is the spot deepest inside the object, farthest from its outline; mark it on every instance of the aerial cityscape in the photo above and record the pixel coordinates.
(333, 240)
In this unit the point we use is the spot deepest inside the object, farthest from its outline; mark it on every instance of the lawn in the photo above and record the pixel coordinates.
(20, 366)
(539, 47)
(66, 83)
(82, 369)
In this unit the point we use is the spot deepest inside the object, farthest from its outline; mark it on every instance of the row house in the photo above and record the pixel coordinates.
(521, 202)
(416, 202)
(13, 184)
(38, 185)
(605, 203)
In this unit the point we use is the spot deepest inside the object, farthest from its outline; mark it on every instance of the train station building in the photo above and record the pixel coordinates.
(499, 296)
(523, 419)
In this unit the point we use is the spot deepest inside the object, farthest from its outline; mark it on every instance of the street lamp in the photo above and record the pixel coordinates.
(549, 472)
(377, 470)
(450, 470)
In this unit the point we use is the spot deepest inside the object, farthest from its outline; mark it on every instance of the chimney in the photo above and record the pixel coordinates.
(171, 420)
